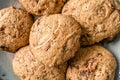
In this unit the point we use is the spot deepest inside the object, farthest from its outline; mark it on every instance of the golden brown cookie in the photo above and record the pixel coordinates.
(100, 19)
(15, 27)
(42, 7)
(54, 39)
(92, 63)
(27, 67)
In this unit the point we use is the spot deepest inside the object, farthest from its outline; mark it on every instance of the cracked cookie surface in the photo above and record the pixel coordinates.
(42, 7)
(27, 67)
(100, 19)
(54, 39)
(92, 63)
(15, 27)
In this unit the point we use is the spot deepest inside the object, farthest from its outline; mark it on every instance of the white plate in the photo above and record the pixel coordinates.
(6, 71)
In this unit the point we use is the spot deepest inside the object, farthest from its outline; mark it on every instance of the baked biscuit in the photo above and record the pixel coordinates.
(55, 38)
(100, 19)
(27, 67)
(42, 7)
(92, 63)
(15, 27)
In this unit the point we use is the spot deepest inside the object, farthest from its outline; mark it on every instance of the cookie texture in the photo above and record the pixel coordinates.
(27, 67)
(100, 19)
(15, 27)
(42, 7)
(92, 63)
(55, 38)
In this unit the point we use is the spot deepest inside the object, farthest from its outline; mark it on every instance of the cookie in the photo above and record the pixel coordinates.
(15, 27)
(92, 63)
(27, 67)
(99, 19)
(55, 38)
(42, 7)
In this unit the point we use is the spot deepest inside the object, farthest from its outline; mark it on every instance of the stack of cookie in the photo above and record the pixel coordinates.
(62, 43)
(52, 44)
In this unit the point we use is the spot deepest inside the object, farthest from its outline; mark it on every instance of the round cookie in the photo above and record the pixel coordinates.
(27, 67)
(100, 19)
(42, 7)
(92, 63)
(15, 27)
(55, 38)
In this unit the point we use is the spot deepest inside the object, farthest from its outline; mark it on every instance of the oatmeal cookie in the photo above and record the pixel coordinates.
(55, 38)
(15, 27)
(27, 67)
(99, 19)
(92, 63)
(42, 7)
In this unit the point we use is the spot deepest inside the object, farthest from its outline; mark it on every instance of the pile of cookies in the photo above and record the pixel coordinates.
(62, 43)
